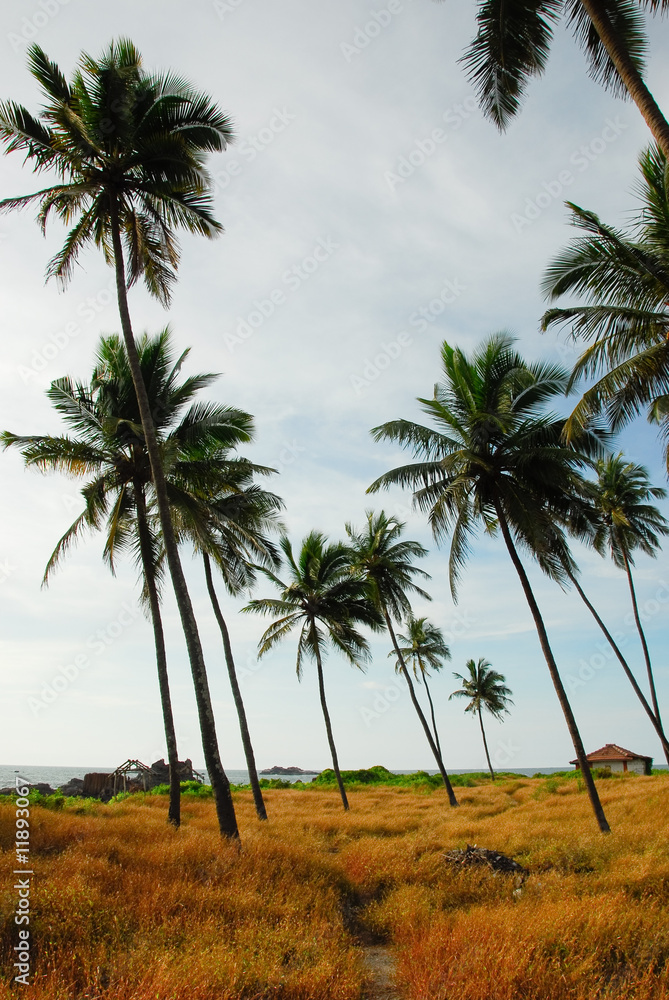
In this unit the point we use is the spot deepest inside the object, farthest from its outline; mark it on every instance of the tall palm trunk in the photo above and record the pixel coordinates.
(419, 711)
(623, 662)
(429, 698)
(236, 693)
(328, 725)
(174, 812)
(225, 809)
(629, 74)
(485, 743)
(642, 636)
(555, 675)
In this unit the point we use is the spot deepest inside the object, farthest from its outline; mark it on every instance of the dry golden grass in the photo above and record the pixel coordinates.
(124, 908)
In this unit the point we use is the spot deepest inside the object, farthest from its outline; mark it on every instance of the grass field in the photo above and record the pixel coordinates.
(125, 908)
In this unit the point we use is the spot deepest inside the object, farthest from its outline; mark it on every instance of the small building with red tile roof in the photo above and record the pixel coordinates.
(618, 759)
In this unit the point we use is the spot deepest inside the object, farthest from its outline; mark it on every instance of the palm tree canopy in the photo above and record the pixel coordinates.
(386, 562)
(107, 445)
(626, 522)
(493, 448)
(484, 688)
(321, 597)
(513, 42)
(120, 140)
(423, 645)
(623, 279)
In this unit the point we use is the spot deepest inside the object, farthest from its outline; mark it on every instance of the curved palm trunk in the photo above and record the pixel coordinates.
(328, 727)
(419, 711)
(174, 812)
(642, 636)
(555, 675)
(623, 662)
(485, 743)
(434, 721)
(225, 809)
(629, 74)
(236, 693)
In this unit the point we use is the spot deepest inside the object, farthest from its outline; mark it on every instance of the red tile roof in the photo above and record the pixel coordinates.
(612, 752)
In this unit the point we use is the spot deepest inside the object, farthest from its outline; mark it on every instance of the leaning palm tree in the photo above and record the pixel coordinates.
(496, 459)
(107, 449)
(424, 647)
(128, 149)
(326, 602)
(513, 42)
(227, 517)
(386, 563)
(623, 282)
(485, 690)
(628, 522)
(585, 523)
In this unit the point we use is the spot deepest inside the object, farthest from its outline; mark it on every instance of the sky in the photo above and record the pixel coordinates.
(370, 213)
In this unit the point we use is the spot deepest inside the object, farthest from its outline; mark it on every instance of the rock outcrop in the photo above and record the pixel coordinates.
(286, 770)
(160, 771)
(74, 787)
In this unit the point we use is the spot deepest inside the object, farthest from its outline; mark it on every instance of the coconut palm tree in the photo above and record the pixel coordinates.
(386, 563)
(513, 42)
(129, 148)
(628, 522)
(485, 690)
(496, 459)
(424, 647)
(325, 601)
(227, 517)
(623, 281)
(585, 524)
(107, 448)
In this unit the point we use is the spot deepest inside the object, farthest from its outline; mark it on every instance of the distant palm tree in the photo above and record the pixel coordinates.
(485, 689)
(513, 42)
(130, 150)
(387, 565)
(425, 647)
(325, 601)
(496, 459)
(628, 523)
(108, 449)
(623, 281)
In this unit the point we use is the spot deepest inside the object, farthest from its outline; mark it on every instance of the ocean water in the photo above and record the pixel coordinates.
(56, 776)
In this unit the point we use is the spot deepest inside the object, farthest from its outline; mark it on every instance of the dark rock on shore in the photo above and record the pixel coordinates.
(160, 771)
(286, 770)
(38, 786)
(74, 787)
